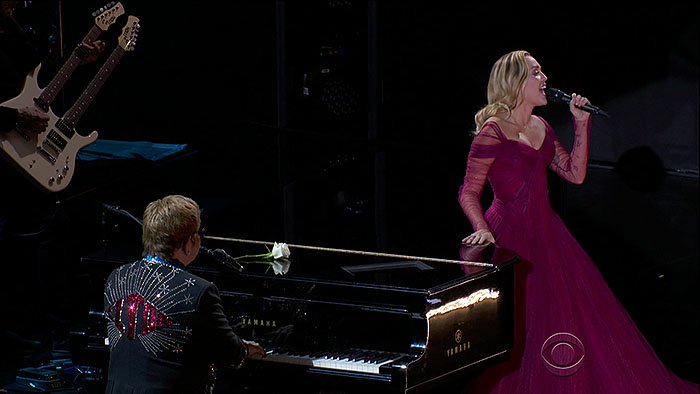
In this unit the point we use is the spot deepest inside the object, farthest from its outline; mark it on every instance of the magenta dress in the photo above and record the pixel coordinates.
(572, 334)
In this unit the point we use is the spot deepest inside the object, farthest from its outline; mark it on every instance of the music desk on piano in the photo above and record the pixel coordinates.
(351, 323)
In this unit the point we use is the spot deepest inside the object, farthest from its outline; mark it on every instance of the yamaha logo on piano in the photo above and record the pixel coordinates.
(459, 347)
(252, 322)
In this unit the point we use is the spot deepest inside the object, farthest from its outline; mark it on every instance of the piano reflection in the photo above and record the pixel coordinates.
(355, 321)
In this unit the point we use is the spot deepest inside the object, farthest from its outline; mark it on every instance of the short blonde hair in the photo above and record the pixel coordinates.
(168, 223)
(506, 81)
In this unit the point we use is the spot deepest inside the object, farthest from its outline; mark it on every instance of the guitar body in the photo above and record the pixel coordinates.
(47, 157)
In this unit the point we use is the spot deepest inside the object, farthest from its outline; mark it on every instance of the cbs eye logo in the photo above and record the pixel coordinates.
(563, 354)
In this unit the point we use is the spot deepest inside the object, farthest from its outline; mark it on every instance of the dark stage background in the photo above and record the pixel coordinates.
(346, 124)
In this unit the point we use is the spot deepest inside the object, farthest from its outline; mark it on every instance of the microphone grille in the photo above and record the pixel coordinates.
(553, 94)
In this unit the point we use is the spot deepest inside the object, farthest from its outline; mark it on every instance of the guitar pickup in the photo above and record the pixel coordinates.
(64, 128)
(58, 142)
(52, 146)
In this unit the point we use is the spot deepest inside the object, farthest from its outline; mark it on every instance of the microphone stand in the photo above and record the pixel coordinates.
(222, 257)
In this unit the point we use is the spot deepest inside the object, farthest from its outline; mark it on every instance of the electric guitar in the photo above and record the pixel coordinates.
(104, 18)
(48, 157)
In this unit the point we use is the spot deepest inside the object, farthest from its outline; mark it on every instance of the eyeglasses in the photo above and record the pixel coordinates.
(202, 231)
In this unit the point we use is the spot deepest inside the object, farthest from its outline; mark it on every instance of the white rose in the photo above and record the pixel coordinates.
(280, 250)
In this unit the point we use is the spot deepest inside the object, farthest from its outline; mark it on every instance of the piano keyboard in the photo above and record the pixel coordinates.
(365, 361)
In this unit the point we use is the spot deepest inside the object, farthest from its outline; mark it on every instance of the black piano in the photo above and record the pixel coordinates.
(338, 322)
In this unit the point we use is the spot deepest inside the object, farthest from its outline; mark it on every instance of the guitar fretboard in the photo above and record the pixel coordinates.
(54, 87)
(73, 115)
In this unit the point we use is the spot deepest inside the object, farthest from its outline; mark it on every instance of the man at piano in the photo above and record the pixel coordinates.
(167, 328)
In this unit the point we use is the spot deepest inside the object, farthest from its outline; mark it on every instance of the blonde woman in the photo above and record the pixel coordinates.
(572, 334)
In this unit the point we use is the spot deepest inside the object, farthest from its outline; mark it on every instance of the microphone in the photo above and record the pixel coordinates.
(222, 257)
(557, 95)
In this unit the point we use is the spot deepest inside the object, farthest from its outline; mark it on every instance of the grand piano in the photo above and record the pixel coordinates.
(349, 322)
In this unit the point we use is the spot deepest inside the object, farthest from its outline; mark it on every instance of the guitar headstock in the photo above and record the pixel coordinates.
(107, 15)
(127, 39)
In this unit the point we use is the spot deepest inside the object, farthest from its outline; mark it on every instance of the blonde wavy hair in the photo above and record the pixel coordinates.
(168, 223)
(506, 81)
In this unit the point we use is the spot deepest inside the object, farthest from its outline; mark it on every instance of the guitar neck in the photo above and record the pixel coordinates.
(71, 117)
(59, 80)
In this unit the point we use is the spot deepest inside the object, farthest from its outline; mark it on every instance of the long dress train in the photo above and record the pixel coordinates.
(577, 338)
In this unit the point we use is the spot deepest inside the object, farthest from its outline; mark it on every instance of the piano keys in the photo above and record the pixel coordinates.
(341, 322)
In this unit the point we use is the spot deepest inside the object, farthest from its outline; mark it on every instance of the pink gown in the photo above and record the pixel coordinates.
(572, 334)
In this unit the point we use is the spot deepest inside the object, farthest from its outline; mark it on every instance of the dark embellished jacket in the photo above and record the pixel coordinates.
(167, 329)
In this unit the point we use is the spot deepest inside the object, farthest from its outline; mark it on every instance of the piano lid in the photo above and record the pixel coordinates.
(364, 269)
